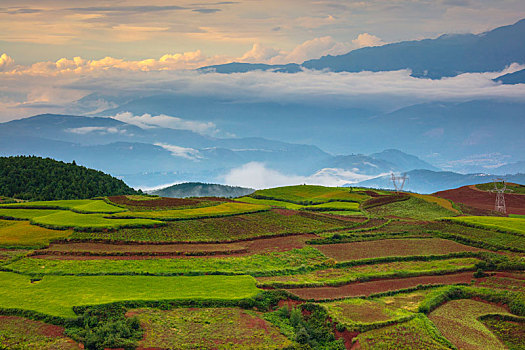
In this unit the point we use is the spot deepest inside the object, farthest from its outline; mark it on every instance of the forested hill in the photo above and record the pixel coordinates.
(199, 189)
(35, 178)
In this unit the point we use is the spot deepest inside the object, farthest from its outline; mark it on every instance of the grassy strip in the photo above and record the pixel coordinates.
(416, 333)
(458, 321)
(363, 273)
(343, 238)
(25, 214)
(221, 210)
(64, 220)
(310, 194)
(294, 261)
(511, 225)
(475, 243)
(515, 301)
(21, 234)
(414, 208)
(228, 229)
(56, 295)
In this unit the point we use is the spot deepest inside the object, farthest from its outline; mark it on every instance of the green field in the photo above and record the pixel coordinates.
(23, 234)
(512, 224)
(356, 312)
(515, 188)
(458, 321)
(79, 205)
(482, 236)
(418, 333)
(26, 214)
(258, 264)
(363, 272)
(217, 328)
(271, 202)
(303, 194)
(333, 205)
(223, 209)
(56, 295)
(509, 332)
(230, 228)
(413, 208)
(69, 219)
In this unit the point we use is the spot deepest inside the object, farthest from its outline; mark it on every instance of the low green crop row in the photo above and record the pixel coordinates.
(385, 275)
(341, 238)
(475, 243)
(515, 301)
(515, 226)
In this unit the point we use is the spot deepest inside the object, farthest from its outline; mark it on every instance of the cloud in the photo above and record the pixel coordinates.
(6, 62)
(257, 175)
(314, 48)
(147, 121)
(259, 54)
(206, 10)
(365, 40)
(136, 9)
(78, 65)
(487, 161)
(182, 152)
(99, 129)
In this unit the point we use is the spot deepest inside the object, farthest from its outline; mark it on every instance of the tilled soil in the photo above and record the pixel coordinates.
(91, 251)
(392, 247)
(378, 286)
(473, 197)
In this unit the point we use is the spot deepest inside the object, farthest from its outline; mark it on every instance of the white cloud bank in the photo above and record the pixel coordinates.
(257, 175)
(148, 121)
(182, 152)
(259, 53)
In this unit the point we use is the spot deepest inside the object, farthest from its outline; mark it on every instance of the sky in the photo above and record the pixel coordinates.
(192, 33)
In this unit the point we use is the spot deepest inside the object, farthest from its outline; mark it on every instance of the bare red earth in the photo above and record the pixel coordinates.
(379, 286)
(392, 247)
(161, 202)
(93, 251)
(473, 197)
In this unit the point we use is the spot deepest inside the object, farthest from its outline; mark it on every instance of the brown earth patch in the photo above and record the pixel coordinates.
(393, 247)
(93, 251)
(378, 286)
(155, 202)
(476, 198)
(285, 212)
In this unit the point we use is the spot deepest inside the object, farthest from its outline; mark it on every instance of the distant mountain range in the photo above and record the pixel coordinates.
(153, 156)
(427, 181)
(199, 189)
(446, 56)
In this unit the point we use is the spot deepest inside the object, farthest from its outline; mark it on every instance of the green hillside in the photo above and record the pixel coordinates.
(35, 178)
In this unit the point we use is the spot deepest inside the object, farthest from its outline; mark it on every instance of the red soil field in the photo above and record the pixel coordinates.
(90, 251)
(37, 327)
(473, 197)
(392, 247)
(379, 286)
(161, 202)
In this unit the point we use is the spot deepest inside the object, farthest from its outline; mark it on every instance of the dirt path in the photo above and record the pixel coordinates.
(379, 286)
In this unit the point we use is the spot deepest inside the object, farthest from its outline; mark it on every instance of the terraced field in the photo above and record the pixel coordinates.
(516, 225)
(56, 295)
(297, 267)
(458, 321)
(223, 229)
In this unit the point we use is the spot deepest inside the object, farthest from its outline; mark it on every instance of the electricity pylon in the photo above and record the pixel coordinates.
(500, 195)
(399, 181)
